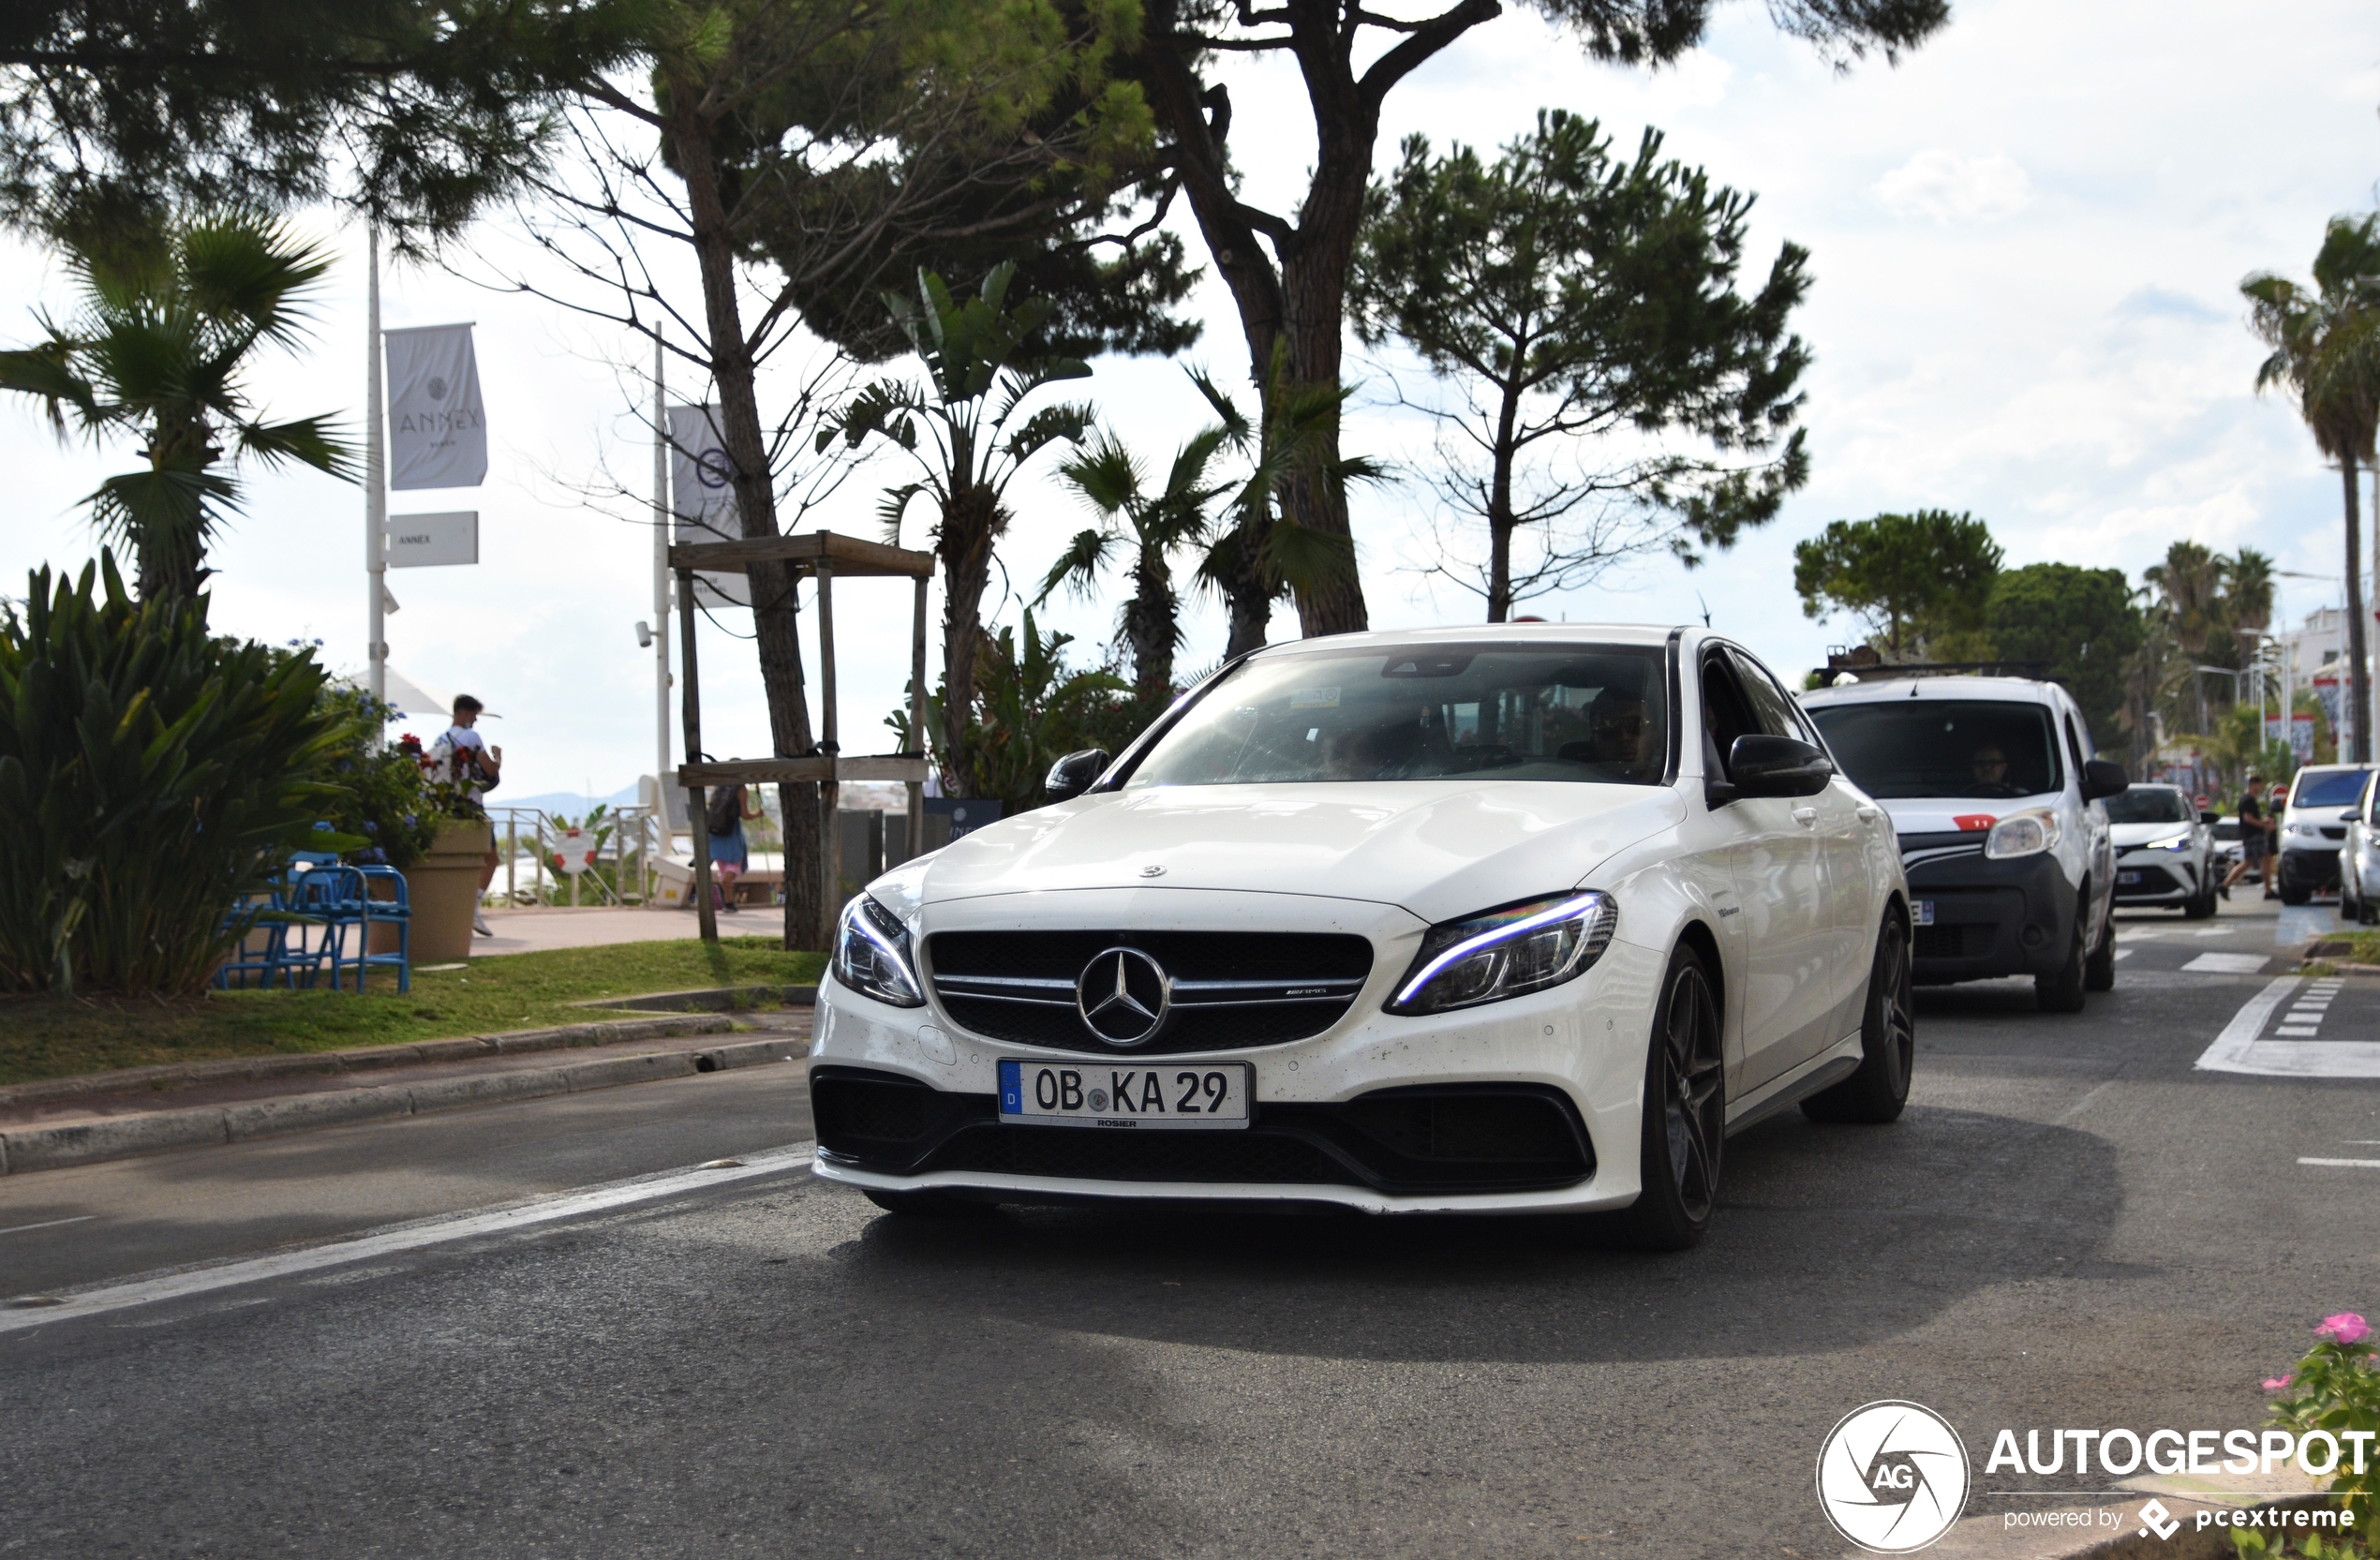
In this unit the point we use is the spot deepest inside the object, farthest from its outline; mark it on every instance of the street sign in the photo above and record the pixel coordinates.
(420, 540)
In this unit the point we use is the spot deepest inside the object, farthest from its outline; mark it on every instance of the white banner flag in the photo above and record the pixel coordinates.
(703, 497)
(438, 433)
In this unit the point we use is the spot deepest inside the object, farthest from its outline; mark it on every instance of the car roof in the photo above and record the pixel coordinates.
(1516, 634)
(2015, 691)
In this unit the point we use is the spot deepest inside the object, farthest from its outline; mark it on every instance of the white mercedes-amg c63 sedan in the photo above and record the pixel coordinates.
(1521, 918)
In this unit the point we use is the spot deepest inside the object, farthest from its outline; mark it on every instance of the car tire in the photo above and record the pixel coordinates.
(1684, 1131)
(2062, 992)
(1875, 1094)
(2099, 969)
(2293, 894)
(2201, 905)
(926, 1204)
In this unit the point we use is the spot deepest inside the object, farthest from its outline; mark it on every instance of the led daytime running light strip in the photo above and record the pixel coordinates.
(1567, 909)
(865, 924)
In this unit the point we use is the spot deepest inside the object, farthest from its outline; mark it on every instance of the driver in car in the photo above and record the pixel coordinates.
(1990, 767)
(1619, 729)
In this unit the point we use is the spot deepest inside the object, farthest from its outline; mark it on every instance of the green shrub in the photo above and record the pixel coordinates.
(385, 800)
(153, 777)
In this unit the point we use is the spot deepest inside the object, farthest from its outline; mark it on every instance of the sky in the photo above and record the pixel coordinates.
(2026, 239)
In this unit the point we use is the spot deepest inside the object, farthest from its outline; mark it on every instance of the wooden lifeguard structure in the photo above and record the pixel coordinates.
(823, 554)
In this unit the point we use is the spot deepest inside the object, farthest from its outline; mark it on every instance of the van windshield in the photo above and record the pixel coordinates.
(2150, 804)
(2337, 788)
(1943, 746)
(1439, 711)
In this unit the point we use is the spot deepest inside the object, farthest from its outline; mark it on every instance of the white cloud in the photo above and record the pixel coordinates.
(1948, 187)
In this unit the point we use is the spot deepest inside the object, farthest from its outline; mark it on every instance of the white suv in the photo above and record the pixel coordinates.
(1997, 801)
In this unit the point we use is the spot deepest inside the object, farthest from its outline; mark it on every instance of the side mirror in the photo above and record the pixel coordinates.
(1777, 766)
(2206, 817)
(1072, 775)
(2102, 778)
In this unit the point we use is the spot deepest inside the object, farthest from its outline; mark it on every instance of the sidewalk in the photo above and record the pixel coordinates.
(535, 930)
(44, 1127)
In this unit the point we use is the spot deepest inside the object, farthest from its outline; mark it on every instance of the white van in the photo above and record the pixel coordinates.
(2314, 827)
(1996, 799)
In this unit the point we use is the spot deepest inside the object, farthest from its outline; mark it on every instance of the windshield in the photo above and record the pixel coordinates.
(1550, 713)
(2150, 804)
(1942, 747)
(2333, 788)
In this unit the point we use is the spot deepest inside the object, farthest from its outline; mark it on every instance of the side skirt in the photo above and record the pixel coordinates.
(1823, 1071)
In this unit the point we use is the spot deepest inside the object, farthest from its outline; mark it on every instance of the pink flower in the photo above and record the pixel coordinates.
(2344, 1328)
(2277, 1384)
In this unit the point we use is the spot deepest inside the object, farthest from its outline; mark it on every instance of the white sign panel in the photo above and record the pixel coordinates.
(438, 433)
(703, 498)
(420, 540)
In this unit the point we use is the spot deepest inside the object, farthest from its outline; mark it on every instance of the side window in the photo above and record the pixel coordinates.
(1770, 706)
(1726, 716)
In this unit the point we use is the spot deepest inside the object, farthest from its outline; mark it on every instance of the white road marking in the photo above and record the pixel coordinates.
(456, 1227)
(48, 1224)
(2225, 964)
(2123, 953)
(2237, 1049)
(2348, 1164)
(2286, 1032)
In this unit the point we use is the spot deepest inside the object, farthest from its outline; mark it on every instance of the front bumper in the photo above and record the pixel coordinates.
(1992, 918)
(2163, 878)
(1529, 1105)
(2313, 866)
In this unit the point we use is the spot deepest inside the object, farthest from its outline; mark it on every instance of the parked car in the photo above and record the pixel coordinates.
(1524, 918)
(2166, 854)
(2359, 860)
(2314, 827)
(2002, 823)
(2229, 851)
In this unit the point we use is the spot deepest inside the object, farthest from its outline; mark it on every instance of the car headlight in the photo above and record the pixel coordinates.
(2179, 843)
(873, 957)
(1504, 952)
(2021, 834)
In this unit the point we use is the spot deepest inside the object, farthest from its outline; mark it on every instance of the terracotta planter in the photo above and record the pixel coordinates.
(444, 889)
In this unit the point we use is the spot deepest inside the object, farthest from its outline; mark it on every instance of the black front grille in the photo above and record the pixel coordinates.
(1231, 991)
(1474, 1137)
(1971, 941)
(2330, 832)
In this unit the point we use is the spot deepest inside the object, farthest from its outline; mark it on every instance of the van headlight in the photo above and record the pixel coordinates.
(2304, 831)
(1504, 953)
(2026, 833)
(872, 954)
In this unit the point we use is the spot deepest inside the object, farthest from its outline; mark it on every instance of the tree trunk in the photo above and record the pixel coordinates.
(1149, 627)
(2358, 690)
(968, 527)
(1499, 515)
(808, 916)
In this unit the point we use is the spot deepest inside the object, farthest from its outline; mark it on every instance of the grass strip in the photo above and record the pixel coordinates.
(44, 1037)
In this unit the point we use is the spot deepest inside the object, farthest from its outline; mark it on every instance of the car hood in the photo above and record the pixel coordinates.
(2125, 836)
(1438, 849)
(1940, 814)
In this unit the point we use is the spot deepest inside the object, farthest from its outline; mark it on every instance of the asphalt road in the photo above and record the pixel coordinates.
(2070, 1227)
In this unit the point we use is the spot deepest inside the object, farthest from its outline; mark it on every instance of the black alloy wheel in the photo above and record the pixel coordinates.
(2062, 992)
(2099, 968)
(1685, 1126)
(1875, 1094)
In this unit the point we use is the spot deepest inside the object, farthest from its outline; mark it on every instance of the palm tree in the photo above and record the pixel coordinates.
(1153, 525)
(2189, 586)
(970, 454)
(2324, 349)
(160, 348)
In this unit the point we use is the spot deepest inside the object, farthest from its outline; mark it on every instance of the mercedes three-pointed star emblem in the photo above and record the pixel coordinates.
(1123, 995)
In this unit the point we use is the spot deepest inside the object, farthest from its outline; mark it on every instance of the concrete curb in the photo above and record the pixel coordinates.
(30, 1148)
(715, 998)
(360, 1058)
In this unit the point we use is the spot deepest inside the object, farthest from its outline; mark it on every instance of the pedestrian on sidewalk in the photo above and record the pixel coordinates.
(730, 805)
(462, 758)
(2255, 841)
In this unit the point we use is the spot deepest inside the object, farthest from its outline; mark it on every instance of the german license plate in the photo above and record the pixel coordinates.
(1211, 1094)
(2125, 879)
(1924, 913)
